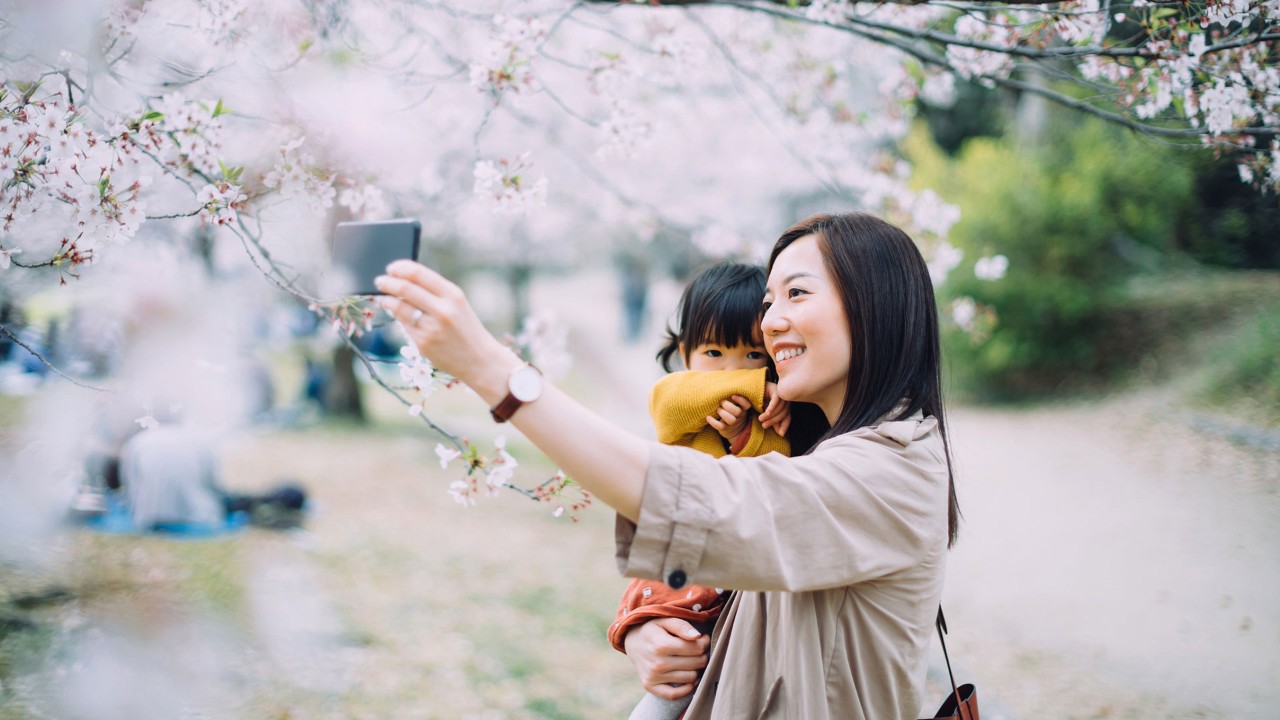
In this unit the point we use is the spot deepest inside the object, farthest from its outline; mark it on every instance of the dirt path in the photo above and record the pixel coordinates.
(1113, 564)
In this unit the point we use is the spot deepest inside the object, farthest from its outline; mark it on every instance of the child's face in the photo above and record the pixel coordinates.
(712, 356)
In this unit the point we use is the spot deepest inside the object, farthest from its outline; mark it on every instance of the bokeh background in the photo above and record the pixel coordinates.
(1112, 329)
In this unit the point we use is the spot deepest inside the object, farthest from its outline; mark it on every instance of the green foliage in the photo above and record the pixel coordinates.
(976, 112)
(1246, 368)
(1237, 224)
(1075, 217)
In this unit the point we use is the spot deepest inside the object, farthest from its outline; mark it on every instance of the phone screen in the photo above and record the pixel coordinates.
(362, 250)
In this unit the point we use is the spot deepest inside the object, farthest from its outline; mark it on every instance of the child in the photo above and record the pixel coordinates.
(715, 406)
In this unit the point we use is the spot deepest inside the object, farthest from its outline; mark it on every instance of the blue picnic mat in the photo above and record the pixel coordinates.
(115, 520)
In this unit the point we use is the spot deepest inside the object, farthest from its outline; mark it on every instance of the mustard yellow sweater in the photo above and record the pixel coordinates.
(681, 402)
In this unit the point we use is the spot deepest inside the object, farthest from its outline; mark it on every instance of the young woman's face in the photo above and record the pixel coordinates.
(805, 328)
(713, 356)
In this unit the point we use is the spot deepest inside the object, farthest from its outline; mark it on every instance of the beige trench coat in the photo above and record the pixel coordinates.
(838, 557)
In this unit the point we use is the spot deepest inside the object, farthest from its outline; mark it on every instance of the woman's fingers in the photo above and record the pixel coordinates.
(671, 692)
(667, 651)
(410, 293)
(422, 276)
(442, 325)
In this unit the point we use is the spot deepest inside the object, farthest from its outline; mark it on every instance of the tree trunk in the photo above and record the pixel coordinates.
(519, 276)
(342, 392)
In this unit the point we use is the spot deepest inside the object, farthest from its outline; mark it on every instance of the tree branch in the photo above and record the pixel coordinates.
(44, 361)
(929, 57)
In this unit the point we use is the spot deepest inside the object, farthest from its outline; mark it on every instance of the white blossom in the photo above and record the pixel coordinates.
(829, 11)
(939, 90)
(1082, 23)
(509, 186)
(508, 58)
(624, 134)
(1223, 103)
(1227, 12)
(299, 174)
(501, 468)
(972, 62)
(991, 268)
(446, 455)
(218, 203)
(545, 341)
(363, 200)
(964, 311)
(460, 491)
(945, 258)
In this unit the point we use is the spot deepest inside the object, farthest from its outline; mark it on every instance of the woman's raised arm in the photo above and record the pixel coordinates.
(602, 457)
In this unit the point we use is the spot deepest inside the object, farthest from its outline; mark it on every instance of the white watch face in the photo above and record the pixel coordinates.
(526, 384)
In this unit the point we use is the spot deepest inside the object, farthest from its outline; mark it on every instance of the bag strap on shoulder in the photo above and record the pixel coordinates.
(942, 631)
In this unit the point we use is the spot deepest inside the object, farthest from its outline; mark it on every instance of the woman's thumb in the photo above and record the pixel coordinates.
(681, 628)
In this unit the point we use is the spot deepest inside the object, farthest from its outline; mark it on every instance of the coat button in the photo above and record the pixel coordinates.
(676, 579)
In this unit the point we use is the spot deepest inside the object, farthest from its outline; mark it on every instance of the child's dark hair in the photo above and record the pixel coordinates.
(721, 305)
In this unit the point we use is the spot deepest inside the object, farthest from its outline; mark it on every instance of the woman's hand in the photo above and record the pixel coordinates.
(603, 458)
(667, 654)
(777, 412)
(439, 320)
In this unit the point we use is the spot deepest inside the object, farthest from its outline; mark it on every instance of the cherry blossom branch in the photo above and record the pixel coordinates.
(373, 373)
(801, 3)
(45, 361)
(931, 58)
(542, 85)
(1065, 51)
(768, 90)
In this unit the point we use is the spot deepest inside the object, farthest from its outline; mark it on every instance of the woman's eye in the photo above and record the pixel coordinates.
(766, 307)
(796, 292)
(714, 353)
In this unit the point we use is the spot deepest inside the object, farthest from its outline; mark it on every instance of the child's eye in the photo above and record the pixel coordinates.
(755, 355)
(714, 353)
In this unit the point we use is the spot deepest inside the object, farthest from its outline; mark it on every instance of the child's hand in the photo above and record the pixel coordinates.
(777, 412)
(731, 419)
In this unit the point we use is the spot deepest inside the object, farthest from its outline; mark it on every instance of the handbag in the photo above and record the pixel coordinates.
(962, 703)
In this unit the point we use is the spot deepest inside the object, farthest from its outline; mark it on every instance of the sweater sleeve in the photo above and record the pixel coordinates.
(681, 401)
(862, 506)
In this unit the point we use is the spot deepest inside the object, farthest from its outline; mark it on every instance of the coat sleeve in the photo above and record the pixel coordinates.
(862, 506)
(681, 401)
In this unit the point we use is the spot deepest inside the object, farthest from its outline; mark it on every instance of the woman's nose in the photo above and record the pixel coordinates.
(772, 323)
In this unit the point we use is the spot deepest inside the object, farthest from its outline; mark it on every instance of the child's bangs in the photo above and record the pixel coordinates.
(734, 320)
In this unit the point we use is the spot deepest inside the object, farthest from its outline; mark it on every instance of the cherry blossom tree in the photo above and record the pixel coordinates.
(521, 133)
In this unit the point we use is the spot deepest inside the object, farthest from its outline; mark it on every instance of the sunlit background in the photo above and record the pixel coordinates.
(170, 172)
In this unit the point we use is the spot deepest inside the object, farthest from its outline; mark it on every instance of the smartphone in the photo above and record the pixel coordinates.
(363, 249)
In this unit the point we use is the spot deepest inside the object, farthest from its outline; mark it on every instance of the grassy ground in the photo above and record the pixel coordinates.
(395, 602)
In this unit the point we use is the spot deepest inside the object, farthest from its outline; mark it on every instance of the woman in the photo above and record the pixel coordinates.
(837, 554)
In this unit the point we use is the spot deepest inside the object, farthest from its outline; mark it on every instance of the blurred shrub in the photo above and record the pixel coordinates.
(1246, 368)
(1075, 217)
(1237, 226)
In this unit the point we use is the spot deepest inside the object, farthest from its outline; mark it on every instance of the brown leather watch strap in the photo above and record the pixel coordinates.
(503, 411)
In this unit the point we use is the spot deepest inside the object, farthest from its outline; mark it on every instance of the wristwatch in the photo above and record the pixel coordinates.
(524, 385)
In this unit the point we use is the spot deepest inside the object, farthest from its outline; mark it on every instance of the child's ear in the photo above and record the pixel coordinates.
(684, 356)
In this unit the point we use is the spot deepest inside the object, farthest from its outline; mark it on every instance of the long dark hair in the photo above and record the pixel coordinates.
(720, 305)
(893, 322)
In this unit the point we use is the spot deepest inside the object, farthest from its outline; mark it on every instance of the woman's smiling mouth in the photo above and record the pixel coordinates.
(788, 353)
